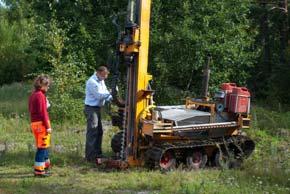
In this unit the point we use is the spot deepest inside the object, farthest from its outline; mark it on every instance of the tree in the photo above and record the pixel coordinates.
(185, 32)
(271, 73)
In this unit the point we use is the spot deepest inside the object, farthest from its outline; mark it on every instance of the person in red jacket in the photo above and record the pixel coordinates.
(40, 124)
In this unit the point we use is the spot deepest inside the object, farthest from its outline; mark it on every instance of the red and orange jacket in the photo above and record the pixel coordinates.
(38, 108)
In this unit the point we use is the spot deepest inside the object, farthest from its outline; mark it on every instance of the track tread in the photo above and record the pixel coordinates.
(154, 154)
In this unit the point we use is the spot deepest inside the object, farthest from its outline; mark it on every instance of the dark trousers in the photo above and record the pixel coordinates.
(42, 162)
(94, 134)
(41, 155)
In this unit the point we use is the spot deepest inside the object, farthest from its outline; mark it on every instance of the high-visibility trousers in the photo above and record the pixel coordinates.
(42, 138)
(42, 162)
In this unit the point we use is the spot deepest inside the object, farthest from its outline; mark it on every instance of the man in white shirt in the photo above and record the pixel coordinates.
(96, 96)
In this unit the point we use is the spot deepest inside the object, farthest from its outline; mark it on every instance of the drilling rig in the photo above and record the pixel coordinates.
(203, 131)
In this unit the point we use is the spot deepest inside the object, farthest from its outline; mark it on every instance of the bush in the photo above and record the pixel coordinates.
(68, 79)
(67, 92)
(14, 41)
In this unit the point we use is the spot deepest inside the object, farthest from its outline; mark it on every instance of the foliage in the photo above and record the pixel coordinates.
(183, 34)
(68, 79)
(270, 75)
(89, 30)
(14, 41)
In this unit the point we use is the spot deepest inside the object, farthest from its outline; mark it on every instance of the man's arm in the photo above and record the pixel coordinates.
(95, 93)
(110, 97)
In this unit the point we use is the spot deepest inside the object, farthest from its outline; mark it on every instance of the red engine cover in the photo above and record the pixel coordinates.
(228, 89)
(240, 100)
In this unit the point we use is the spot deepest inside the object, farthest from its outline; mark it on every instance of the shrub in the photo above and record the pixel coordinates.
(68, 79)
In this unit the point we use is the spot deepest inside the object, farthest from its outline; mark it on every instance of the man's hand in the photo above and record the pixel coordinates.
(48, 130)
(109, 98)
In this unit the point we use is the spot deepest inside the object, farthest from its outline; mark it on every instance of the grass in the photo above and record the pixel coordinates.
(266, 171)
(14, 98)
(274, 121)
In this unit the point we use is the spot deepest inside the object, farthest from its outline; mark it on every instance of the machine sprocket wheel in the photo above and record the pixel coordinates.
(168, 161)
(196, 159)
(226, 160)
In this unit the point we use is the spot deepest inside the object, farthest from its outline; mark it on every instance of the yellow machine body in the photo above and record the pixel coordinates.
(147, 137)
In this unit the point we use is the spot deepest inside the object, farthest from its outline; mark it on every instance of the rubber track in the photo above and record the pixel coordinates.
(154, 154)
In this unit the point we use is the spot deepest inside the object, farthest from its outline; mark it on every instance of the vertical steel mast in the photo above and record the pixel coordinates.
(134, 47)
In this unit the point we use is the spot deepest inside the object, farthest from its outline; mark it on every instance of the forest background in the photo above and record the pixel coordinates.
(67, 39)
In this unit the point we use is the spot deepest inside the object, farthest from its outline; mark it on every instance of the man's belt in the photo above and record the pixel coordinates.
(92, 106)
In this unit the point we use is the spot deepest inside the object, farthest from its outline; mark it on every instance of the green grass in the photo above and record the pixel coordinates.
(266, 171)
(274, 121)
(14, 98)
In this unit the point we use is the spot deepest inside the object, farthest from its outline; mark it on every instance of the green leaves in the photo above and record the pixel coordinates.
(68, 78)
(182, 35)
(186, 32)
(14, 42)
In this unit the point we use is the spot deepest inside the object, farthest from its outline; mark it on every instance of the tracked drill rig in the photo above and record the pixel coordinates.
(204, 131)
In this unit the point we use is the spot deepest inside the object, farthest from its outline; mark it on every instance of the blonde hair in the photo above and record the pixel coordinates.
(40, 81)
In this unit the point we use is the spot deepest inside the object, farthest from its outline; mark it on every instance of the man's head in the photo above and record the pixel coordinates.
(102, 72)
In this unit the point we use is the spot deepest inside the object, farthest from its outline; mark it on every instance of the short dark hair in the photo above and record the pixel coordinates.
(41, 80)
(102, 69)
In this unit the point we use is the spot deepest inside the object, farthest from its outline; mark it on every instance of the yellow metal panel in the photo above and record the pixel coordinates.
(145, 6)
(142, 65)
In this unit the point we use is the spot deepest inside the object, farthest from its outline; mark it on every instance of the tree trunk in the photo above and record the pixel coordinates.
(264, 25)
(284, 31)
